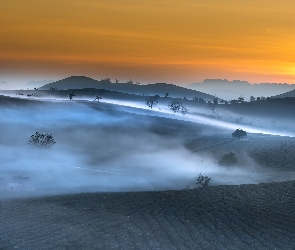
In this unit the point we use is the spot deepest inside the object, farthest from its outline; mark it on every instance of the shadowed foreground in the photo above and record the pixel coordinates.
(222, 217)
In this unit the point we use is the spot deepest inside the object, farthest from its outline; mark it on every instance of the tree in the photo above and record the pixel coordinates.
(106, 80)
(166, 95)
(177, 106)
(152, 101)
(71, 95)
(215, 100)
(183, 110)
(229, 159)
(97, 98)
(41, 140)
(117, 81)
(199, 99)
(241, 99)
(252, 98)
(130, 82)
(239, 133)
(203, 180)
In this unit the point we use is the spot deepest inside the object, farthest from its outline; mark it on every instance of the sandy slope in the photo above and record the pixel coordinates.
(224, 217)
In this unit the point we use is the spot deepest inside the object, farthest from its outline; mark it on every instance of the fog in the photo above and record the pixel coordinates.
(99, 147)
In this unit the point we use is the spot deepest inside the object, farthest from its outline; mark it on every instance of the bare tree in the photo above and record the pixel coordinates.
(71, 95)
(152, 101)
(177, 106)
(97, 98)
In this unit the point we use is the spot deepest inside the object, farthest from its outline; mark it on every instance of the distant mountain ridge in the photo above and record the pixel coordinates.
(80, 82)
(233, 89)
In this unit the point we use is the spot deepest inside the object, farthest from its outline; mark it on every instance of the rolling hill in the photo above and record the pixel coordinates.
(80, 82)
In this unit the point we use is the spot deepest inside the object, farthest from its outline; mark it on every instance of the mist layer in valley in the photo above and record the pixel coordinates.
(110, 147)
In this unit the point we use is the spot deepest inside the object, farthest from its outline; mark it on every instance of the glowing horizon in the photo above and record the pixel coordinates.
(178, 42)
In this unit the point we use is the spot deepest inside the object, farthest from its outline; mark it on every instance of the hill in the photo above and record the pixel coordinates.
(233, 89)
(286, 95)
(80, 82)
(225, 217)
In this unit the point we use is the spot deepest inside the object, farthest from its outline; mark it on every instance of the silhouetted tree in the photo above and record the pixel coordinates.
(130, 82)
(166, 95)
(152, 101)
(106, 80)
(35, 88)
(199, 99)
(241, 99)
(229, 160)
(203, 180)
(117, 81)
(41, 140)
(177, 106)
(215, 100)
(29, 95)
(97, 98)
(239, 133)
(252, 98)
(183, 110)
(71, 95)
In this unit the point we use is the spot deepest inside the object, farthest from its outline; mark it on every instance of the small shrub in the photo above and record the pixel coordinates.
(239, 133)
(203, 180)
(228, 160)
(41, 140)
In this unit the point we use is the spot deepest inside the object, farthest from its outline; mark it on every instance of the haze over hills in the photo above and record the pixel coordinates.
(233, 89)
(80, 82)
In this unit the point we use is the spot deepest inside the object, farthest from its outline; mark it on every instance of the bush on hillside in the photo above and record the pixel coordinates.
(41, 140)
(239, 133)
(228, 160)
(203, 180)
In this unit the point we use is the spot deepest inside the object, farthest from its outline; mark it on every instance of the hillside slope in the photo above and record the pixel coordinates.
(80, 82)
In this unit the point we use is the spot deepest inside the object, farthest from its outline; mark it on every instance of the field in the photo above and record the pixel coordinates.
(121, 176)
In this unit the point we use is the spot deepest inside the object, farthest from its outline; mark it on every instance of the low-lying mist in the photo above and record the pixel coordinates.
(101, 149)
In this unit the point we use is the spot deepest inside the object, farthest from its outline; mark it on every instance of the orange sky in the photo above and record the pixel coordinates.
(174, 41)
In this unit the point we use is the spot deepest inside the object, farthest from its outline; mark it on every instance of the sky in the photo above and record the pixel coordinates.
(173, 41)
